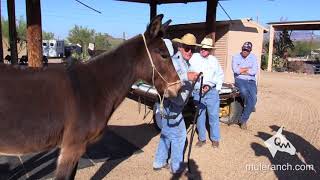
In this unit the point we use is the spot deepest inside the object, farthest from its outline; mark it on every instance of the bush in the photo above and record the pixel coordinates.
(264, 61)
(279, 63)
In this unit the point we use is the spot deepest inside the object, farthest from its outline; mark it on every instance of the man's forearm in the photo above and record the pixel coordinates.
(244, 70)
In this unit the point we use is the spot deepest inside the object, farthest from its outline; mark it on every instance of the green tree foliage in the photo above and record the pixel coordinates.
(47, 35)
(101, 41)
(303, 48)
(83, 36)
(283, 43)
(21, 27)
(5, 27)
(264, 61)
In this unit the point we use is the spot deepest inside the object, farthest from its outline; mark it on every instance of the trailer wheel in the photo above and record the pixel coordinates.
(236, 108)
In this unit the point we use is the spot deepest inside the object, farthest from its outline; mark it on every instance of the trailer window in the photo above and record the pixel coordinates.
(44, 44)
(51, 44)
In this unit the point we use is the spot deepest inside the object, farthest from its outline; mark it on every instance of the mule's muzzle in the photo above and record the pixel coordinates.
(173, 90)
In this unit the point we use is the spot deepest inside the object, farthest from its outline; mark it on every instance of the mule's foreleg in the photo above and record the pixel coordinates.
(68, 160)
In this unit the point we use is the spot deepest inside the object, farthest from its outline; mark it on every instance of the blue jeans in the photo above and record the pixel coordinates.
(173, 134)
(209, 102)
(248, 93)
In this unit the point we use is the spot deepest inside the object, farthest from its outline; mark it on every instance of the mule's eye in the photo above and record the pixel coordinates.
(164, 56)
(162, 53)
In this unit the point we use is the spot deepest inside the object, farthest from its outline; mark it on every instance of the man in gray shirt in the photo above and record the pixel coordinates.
(245, 67)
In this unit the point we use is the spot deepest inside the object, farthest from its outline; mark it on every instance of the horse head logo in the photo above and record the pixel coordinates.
(279, 142)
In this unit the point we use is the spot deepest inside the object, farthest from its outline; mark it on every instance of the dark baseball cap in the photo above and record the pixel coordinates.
(247, 46)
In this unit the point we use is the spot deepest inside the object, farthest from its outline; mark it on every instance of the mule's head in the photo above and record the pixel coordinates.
(165, 78)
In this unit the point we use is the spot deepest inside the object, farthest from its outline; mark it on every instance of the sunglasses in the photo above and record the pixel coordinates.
(246, 50)
(188, 48)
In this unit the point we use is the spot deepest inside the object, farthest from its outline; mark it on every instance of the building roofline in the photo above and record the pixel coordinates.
(294, 22)
(163, 1)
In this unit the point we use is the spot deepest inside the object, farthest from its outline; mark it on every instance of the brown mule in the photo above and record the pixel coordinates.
(69, 108)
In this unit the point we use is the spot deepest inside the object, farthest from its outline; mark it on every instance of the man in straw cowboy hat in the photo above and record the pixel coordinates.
(173, 129)
(212, 83)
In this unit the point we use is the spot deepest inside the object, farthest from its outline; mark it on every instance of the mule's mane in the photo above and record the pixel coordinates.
(20, 68)
(101, 57)
(116, 51)
(111, 74)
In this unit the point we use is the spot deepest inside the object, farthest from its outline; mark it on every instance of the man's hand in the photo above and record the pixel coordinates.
(192, 76)
(205, 89)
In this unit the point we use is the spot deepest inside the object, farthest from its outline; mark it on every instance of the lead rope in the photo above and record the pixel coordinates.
(194, 122)
(155, 69)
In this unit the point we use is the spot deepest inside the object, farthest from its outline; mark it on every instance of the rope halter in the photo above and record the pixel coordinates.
(154, 69)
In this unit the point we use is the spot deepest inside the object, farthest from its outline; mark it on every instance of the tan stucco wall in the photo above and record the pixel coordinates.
(238, 34)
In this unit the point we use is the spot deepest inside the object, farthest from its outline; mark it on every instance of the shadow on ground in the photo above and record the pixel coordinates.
(306, 154)
(111, 149)
(140, 134)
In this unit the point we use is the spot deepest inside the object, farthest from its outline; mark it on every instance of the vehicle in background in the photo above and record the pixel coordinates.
(53, 48)
(72, 48)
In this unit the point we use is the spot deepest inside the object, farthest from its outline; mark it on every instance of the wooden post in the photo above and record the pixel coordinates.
(153, 9)
(271, 39)
(211, 20)
(1, 47)
(34, 33)
(12, 31)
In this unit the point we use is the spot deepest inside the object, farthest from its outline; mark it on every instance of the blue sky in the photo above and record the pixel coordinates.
(59, 16)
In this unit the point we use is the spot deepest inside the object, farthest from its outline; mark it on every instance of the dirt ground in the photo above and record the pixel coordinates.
(284, 99)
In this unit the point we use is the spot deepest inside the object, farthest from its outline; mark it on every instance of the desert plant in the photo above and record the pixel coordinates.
(264, 61)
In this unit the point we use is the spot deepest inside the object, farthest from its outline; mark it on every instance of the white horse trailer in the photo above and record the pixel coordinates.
(53, 48)
(45, 48)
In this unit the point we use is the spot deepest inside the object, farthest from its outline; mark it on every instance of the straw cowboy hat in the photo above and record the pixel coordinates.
(187, 39)
(206, 43)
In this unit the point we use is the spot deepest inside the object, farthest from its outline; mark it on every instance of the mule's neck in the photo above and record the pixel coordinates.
(117, 70)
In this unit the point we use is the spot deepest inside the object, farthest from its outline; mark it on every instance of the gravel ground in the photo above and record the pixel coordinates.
(284, 99)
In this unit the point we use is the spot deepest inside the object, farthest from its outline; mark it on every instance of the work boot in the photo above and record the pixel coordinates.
(215, 144)
(200, 143)
(166, 166)
(243, 126)
(232, 122)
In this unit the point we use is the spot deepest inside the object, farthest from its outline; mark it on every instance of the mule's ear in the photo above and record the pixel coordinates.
(155, 26)
(164, 28)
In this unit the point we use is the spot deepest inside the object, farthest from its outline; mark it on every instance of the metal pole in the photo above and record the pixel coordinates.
(12, 31)
(153, 9)
(1, 47)
(211, 19)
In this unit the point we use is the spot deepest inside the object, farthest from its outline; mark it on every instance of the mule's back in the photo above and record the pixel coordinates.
(32, 108)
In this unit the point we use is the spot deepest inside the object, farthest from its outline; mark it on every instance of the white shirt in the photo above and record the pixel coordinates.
(211, 69)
